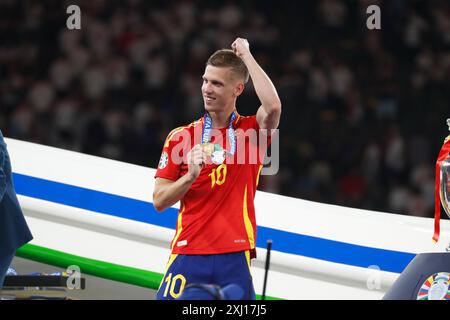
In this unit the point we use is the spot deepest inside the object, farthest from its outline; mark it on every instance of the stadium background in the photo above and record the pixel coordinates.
(363, 110)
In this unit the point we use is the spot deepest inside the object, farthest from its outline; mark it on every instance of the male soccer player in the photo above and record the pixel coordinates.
(14, 231)
(206, 166)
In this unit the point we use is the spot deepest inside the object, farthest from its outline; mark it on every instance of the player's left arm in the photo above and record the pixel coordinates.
(268, 114)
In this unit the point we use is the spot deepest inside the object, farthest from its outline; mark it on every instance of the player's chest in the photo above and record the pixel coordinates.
(220, 177)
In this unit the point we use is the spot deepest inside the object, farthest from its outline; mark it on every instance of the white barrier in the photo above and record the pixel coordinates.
(320, 251)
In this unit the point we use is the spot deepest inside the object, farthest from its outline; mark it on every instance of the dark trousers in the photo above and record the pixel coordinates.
(5, 262)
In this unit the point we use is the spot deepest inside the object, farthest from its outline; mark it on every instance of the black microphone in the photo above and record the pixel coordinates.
(269, 248)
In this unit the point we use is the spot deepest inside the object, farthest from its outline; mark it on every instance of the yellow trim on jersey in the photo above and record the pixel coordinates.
(247, 257)
(171, 260)
(176, 130)
(259, 172)
(171, 134)
(179, 226)
(237, 119)
(247, 222)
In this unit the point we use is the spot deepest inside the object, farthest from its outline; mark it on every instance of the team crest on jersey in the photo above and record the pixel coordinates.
(163, 161)
(436, 287)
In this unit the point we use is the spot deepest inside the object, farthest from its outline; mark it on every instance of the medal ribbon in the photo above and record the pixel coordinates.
(206, 133)
(443, 154)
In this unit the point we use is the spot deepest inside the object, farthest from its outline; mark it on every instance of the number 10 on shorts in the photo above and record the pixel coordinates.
(172, 282)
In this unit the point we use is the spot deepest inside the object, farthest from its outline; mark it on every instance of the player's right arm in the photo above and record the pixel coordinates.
(168, 192)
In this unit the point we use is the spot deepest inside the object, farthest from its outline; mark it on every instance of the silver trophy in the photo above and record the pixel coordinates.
(445, 182)
(445, 185)
(427, 276)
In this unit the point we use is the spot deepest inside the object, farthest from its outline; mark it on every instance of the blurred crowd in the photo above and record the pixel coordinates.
(363, 110)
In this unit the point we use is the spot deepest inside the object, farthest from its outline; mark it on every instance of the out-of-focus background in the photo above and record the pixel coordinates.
(363, 110)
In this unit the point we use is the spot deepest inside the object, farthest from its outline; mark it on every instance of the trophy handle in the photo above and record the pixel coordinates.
(444, 191)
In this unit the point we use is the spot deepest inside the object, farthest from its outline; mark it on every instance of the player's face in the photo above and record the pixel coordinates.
(220, 88)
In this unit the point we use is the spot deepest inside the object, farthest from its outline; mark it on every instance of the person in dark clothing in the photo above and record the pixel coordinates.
(14, 231)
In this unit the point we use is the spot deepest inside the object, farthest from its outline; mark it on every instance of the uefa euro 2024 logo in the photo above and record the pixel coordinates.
(436, 287)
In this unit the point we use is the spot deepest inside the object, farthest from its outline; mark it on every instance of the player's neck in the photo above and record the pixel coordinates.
(220, 119)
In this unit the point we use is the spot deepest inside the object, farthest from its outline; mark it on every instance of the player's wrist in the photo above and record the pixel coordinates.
(190, 176)
(246, 57)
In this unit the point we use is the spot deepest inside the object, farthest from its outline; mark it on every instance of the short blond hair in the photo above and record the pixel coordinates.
(227, 58)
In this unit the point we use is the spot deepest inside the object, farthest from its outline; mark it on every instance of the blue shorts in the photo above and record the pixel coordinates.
(219, 269)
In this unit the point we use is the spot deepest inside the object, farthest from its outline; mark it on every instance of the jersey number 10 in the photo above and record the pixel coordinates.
(218, 175)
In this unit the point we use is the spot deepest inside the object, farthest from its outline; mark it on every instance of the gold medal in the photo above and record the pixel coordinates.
(208, 148)
(215, 152)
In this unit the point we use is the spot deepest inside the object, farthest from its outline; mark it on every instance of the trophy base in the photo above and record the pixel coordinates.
(427, 277)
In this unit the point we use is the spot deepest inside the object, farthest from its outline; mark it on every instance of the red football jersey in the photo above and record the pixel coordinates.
(217, 214)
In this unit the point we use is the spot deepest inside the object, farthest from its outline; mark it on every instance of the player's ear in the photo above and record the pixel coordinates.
(238, 89)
